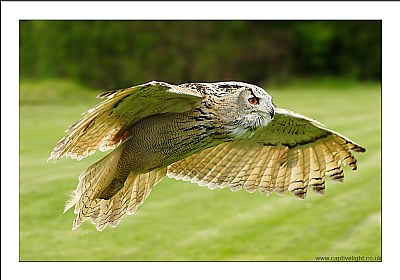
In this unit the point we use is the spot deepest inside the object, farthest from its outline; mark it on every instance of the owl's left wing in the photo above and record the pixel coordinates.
(106, 125)
(292, 153)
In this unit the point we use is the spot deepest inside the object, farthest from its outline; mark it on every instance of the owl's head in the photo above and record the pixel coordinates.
(243, 107)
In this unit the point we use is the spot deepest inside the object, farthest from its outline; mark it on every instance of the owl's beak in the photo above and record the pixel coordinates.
(271, 112)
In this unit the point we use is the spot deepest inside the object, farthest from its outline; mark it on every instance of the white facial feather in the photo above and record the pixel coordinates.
(237, 113)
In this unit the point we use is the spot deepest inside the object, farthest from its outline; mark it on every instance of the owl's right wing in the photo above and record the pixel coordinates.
(105, 125)
(292, 153)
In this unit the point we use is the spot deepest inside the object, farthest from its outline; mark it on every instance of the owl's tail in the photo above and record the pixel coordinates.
(91, 202)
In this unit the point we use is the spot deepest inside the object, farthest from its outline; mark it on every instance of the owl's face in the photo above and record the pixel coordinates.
(244, 107)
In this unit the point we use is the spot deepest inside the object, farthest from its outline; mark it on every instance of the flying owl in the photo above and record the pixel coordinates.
(225, 134)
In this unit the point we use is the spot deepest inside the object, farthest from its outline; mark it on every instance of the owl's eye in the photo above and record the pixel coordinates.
(253, 100)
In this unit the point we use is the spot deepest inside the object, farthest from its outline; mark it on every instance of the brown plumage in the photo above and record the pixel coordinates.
(226, 134)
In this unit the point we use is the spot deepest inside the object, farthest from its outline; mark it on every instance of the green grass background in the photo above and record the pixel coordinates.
(181, 221)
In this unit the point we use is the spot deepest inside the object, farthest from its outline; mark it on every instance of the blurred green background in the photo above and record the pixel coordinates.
(328, 70)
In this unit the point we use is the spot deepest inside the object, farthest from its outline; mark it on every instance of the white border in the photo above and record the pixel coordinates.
(12, 12)
(200, 10)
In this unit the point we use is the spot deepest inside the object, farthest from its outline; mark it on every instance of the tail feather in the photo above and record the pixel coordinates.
(142, 188)
(95, 179)
(70, 202)
(136, 189)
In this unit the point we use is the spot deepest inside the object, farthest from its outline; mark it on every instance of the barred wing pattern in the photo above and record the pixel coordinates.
(292, 153)
(105, 126)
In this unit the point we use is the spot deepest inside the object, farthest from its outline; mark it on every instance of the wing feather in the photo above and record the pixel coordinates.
(225, 171)
(246, 164)
(253, 180)
(319, 184)
(291, 161)
(234, 157)
(283, 169)
(271, 181)
(207, 174)
(297, 179)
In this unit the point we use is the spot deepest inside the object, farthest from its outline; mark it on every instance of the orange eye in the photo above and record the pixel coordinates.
(253, 100)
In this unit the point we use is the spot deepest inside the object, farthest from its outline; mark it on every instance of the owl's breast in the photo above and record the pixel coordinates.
(159, 140)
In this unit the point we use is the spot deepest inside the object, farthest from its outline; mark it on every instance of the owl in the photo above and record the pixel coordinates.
(224, 134)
